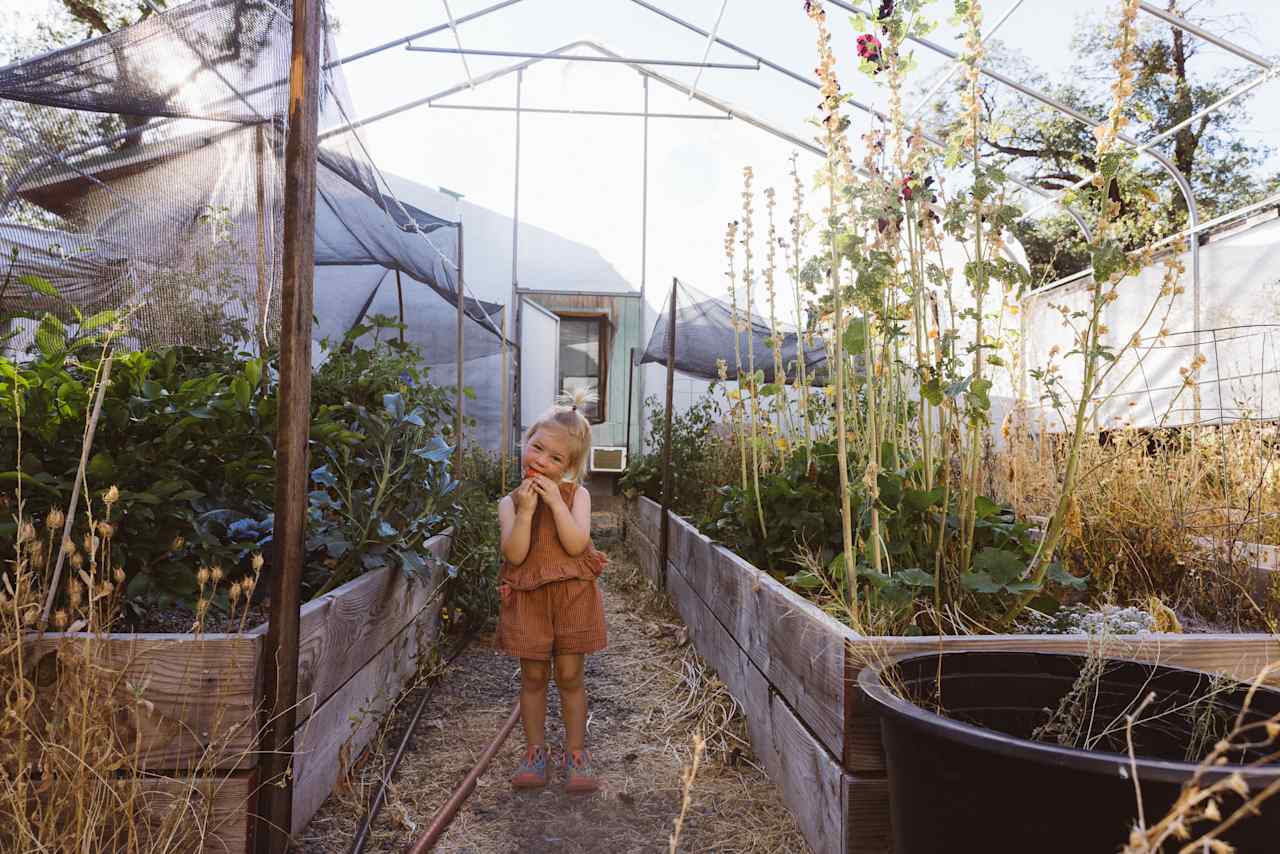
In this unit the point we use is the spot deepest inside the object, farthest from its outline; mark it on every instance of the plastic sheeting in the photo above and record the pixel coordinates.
(1156, 384)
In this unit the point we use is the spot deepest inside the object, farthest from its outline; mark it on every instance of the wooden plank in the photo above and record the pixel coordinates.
(1241, 656)
(790, 639)
(649, 515)
(344, 629)
(195, 692)
(868, 826)
(205, 815)
(811, 780)
(806, 660)
(645, 551)
(346, 722)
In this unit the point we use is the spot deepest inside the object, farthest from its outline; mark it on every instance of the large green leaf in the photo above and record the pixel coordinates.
(39, 284)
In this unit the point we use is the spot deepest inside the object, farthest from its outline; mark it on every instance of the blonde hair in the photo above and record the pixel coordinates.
(567, 416)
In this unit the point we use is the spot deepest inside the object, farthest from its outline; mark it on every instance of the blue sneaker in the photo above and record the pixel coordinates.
(532, 773)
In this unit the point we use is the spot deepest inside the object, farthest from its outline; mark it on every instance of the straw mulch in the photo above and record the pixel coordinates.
(649, 695)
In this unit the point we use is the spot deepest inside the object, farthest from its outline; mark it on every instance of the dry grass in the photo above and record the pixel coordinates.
(1155, 513)
(1207, 808)
(72, 731)
(650, 700)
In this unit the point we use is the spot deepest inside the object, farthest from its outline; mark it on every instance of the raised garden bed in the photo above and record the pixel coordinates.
(795, 671)
(199, 697)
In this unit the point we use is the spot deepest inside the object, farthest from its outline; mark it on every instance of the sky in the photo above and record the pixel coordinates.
(582, 176)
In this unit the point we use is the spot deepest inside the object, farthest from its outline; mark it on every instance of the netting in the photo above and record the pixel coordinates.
(143, 170)
(1161, 382)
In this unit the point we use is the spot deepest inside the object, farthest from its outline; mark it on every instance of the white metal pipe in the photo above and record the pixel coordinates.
(711, 40)
(1186, 26)
(956, 66)
(569, 111)
(457, 39)
(1238, 92)
(520, 54)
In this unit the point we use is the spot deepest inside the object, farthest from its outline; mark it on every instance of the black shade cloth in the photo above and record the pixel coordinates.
(705, 335)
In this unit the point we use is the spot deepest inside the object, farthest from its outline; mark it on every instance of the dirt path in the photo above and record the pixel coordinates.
(649, 694)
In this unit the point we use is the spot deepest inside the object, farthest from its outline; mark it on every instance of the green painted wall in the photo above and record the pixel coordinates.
(625, 334)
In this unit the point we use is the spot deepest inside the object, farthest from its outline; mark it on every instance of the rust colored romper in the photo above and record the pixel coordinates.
(551, 604)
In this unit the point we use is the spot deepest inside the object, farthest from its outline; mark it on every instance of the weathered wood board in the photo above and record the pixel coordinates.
(798, 647)
(211, 814)
(340, 632)
(811, 781)
(194, 691)
(343, 724)
(342, 727)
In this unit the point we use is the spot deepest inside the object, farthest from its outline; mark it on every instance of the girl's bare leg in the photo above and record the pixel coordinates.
(533, 700)
(573, 700)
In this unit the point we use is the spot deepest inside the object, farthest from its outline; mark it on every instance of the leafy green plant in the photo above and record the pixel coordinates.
(187, 437)
(378, 501)
(700, 458)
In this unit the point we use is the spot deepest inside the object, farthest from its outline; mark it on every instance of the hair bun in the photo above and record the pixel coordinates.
(577, 398)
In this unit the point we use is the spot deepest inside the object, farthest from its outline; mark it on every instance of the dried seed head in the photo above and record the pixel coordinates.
(90, 542)
(76, 560)
(106, 530)
(55, 519)
(106, 589)
(118, 574)
(233, 592)
(1273, 730)
(202, 576)
(111, 496)
(68, 547)
(29, 616)
(75, 593)
(60, 619)
(257, 561)
(177, 544)
(1211, 810)
(248, 584)
(215, 574)
(26, 531)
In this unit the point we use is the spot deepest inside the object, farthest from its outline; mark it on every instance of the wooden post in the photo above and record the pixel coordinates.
(280, 673)
(400, 301)
(263, 294)
(665, 538)
(462, 301)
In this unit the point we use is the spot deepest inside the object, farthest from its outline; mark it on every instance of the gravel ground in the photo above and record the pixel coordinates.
(650, 695)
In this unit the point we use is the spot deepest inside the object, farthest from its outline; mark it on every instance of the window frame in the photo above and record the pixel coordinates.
(604, 321)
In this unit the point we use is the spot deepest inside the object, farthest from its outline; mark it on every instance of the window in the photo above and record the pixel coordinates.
(582, 359)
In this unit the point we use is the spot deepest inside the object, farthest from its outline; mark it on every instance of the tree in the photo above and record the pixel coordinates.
(1054, 151)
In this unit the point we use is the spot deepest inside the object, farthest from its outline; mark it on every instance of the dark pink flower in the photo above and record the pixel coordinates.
(869, 47)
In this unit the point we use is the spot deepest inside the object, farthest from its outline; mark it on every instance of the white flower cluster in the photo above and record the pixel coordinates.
(1083, 620)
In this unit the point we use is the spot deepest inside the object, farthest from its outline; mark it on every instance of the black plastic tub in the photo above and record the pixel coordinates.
(975, 781)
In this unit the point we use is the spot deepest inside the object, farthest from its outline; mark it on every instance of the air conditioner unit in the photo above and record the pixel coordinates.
(609, 459)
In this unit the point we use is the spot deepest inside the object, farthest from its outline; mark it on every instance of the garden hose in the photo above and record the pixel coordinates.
(366, 822)
(444, 816)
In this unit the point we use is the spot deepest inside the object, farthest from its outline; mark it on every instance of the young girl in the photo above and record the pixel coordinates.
(551, 608)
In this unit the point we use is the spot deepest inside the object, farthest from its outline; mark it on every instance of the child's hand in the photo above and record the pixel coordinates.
(549, 491)
(526, 499)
